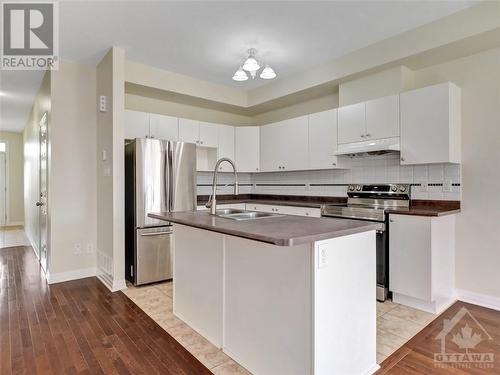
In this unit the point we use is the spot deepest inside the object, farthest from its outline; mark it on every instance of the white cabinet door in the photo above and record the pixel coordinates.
(323, 139)
(430, 125)
(209, 134)
(189, 130)
(382, 117)
(226, 146)
(136, 124)
(247, 148)
(270, 144)
(410, 256)
(164, 127)
(293, 145)
(351, 123)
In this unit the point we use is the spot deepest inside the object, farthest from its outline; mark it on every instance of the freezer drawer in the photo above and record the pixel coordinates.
(154, 254)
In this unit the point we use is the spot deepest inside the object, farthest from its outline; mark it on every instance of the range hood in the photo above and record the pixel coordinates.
(375, 146)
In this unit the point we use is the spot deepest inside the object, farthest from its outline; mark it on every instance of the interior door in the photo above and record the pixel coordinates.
(43, 202)
(3, 188)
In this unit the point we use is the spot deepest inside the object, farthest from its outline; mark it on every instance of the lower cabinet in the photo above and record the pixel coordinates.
(422, 261)
(285, 210)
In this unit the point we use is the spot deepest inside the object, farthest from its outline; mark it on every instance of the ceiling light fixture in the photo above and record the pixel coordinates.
(251, 66)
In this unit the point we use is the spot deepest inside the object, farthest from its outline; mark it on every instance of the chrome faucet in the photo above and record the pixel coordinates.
(212, 201)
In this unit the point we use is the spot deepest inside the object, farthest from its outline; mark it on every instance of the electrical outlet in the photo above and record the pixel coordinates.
(447, 186)
(322, 256)
(424, 187)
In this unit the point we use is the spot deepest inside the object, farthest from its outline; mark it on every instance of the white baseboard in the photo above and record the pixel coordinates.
(53, 278)
(478, 299)
(112, 285)
(14, 224)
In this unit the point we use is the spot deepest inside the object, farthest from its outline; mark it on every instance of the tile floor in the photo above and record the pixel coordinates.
(13, 236)
(396, 324)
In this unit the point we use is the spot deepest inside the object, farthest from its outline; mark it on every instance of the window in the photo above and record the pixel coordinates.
(2, 147)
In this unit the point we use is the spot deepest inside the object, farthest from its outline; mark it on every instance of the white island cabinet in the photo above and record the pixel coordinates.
(304, 309)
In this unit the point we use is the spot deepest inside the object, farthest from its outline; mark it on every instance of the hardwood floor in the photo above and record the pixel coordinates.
(78, 327)
(81, 327)
(417, 355)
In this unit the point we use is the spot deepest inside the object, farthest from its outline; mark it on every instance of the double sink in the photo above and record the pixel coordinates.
(235, 214)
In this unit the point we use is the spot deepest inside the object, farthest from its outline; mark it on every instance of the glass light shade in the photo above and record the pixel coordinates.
(240, 75)
(268, 73)
(251, 65)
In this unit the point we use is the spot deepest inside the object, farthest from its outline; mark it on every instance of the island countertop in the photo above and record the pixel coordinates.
(283, 230)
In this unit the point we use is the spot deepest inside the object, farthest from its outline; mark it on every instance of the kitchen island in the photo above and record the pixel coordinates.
(280, 295)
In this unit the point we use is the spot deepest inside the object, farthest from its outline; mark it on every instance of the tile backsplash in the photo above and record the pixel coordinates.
(436, 181)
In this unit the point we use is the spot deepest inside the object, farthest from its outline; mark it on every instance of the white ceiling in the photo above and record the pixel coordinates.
(207, 40)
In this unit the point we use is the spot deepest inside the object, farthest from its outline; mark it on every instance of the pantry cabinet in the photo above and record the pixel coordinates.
(247, 148)
(284, 145)
(431, 125)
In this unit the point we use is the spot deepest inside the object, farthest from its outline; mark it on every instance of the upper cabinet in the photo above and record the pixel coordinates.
(163, 127)
(136, 125)
(226, 146)
(284, 146)
(382, 117)
(209, 134)
(247, 148)
(351, 123)
(323, 140)
(150, 125)
(189, 130)
(374, 119)
(430, 125)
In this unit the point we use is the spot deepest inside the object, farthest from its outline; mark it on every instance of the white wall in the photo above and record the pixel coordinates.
(478, 226)
(72, 179)
(15, 157)
(110, 172)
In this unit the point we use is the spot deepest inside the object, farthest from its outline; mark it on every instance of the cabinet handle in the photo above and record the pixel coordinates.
(334, 164)
(256, 169)
(307, 213)
(201, 142)
(391, 220)
(402, 159)
(362, 135)
(368, 135)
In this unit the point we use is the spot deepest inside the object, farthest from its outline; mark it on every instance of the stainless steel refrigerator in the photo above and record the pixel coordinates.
(160, 176)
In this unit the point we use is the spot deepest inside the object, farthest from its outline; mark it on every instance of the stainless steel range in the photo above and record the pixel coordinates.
(370, 203)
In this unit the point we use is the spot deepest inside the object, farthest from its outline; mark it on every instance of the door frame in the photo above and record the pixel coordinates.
(7, 182)
(44, 267)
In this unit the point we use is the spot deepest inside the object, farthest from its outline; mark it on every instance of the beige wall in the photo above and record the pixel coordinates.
(164, 107)
(41, 105)
(110, 172)
(478, 226)
(72, 178)
(15, 156)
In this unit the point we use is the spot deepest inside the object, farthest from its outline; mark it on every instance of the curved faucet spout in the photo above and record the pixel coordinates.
(212, 203)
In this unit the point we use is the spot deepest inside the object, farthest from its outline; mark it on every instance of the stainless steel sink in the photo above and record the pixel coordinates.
(228, 211)
(247, 215)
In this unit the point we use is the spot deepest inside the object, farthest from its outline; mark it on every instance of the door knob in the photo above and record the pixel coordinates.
(38, 204)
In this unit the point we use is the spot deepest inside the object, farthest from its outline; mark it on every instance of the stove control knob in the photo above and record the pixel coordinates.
(402, 188)
(351, 188)
(394, 188)
(358, 188)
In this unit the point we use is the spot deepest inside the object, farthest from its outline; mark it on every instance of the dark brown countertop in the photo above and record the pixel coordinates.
(429, 208)
(417, 207)
(281, 231)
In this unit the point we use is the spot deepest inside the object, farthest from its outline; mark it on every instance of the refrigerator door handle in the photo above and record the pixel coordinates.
(171, 177)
